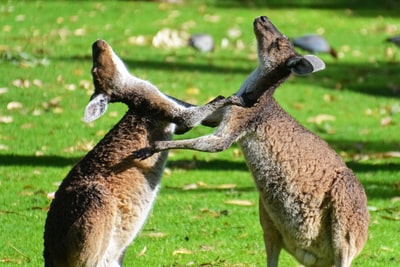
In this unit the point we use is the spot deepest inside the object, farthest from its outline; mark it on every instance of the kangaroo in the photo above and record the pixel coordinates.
(311, 204)
(104, 200)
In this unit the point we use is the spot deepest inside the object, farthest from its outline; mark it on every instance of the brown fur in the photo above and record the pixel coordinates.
(311, 204)
(104, 200)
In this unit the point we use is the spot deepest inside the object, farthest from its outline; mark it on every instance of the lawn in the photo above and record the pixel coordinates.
(206, 213)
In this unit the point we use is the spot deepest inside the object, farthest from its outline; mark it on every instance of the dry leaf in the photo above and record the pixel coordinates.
(37, 82)
(193, 91)
(319, 119)
(6, 119)
(80, 32)
(154, 234)
(3, 147)
(139, 40)
(14, 105)
(113, 114)
(328, 98)
(386, 248)
(182, 251)
(392, 154)
(396, 218)
(212, 18)
(224, 186)
(142, 252)
(234, 32)
(51, 195)
(85, 84)
(207, 186)
(386, 121)
(395, 199)
(21, 83)
(3, 90)
(239, 202)
(237, 153)
(190, 187)
(167, 172)
(58, 110)
(70, 87)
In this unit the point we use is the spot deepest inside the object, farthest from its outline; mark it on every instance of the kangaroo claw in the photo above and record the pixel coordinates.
(143, 153)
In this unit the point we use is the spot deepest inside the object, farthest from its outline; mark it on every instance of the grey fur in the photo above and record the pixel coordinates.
(104, 200)
(311, 203)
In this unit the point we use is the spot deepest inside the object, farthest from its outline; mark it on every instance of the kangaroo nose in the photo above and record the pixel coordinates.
(264, 18)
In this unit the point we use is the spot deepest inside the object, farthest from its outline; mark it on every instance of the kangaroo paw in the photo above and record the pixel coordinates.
(143, 153)
(236, 100)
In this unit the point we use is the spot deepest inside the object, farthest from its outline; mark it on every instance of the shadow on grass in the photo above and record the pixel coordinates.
(32, 160)
(362, 7)
(375, 188)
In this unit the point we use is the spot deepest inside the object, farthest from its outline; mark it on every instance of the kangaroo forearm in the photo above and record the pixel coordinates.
(209, 143)
(192, 116)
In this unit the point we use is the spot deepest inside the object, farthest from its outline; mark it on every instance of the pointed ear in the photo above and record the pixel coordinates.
(96, 108)
(303, 65)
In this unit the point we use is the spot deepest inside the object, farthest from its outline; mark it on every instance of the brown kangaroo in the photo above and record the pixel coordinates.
(311, 203)
(103, 202)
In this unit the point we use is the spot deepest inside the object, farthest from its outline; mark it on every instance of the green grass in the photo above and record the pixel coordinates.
(45, 49)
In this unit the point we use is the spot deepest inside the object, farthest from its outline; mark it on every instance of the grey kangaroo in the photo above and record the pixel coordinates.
(104, 200)
(311, 204)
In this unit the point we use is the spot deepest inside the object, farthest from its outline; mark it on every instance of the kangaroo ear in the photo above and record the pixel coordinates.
(303, 65)
(96, 108)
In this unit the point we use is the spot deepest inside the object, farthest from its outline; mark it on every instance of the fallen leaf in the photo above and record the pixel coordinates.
(3, 147)
(203, 185)
(395, 199)
(142, 252)
(3, 90)
(51, 195)
(14, 105)
(37, 83)
(70, 87)
(329, 98)
(80, 32)
(6, 119)
(212, 18)
(319, 119)
(193, 91)
(386, 248)
(392, 154)
(239, 202)
(237, 153)
(21, 83)
(234, 32)
(85, 84)
(182, 251)
(386, 121)
(190, 187)
(154, 234)
(139, 40)
(58, 110)
(396, 218)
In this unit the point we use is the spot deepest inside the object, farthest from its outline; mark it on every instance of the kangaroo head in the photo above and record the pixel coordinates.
(109, 78)
(276, 51)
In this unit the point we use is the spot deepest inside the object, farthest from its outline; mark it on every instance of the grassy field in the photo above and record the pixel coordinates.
(206, 212)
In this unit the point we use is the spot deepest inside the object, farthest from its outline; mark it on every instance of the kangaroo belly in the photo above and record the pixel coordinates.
(297, 214)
